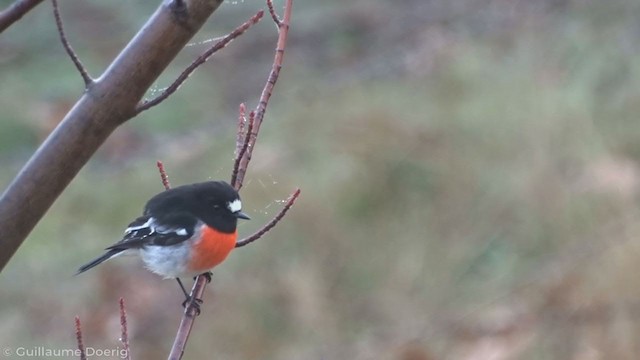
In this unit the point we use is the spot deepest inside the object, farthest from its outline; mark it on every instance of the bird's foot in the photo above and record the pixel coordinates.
(194, 303)
(206, 275)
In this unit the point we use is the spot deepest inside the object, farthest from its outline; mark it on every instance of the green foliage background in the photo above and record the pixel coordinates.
(469, 175)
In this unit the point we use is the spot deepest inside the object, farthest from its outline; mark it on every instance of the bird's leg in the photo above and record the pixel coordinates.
(184, 291)
(195, 302)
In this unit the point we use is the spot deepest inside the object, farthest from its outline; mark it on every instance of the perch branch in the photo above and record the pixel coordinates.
(188, 317)
(65, 43)
(15, 12)
(190, 311)
(147, 104)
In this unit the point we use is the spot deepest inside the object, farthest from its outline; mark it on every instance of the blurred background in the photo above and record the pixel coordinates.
(469, 173)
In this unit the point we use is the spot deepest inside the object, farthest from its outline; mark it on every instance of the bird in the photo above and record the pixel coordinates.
(184, 231)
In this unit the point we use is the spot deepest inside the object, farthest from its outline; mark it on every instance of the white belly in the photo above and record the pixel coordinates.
(167, 261)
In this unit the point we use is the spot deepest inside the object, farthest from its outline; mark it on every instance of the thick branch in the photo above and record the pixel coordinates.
(110, 102)
(15, 12)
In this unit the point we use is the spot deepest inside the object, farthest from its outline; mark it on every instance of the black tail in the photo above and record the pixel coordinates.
(108, 255)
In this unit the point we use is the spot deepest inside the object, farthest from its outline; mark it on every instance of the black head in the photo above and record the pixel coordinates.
(214, 202)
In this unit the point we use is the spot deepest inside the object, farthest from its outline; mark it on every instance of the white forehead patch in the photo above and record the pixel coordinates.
(235, 205)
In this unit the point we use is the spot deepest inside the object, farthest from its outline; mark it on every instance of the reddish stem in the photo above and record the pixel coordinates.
(83, 353)
(273, 13)
(163, 175)
(124, 337)
(242, 120)
(283, 31)
(243, 150)
(272, 223)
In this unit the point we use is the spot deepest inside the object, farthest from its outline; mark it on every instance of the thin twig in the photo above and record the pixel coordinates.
(273, 13)
(242, 120)
(145, 105)
(163, 175)
(243, 150)
(15, 11)
(124, 337)
(74, 57)
(283, 31)
(272, 223)
(83, 353)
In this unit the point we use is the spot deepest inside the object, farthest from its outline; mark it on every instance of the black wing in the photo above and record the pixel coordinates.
(147, 230)
(163, 231)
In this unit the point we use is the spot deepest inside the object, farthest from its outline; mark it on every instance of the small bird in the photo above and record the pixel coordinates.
(184, 231)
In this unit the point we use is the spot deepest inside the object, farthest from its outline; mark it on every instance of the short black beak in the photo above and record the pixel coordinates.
(241, 215)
